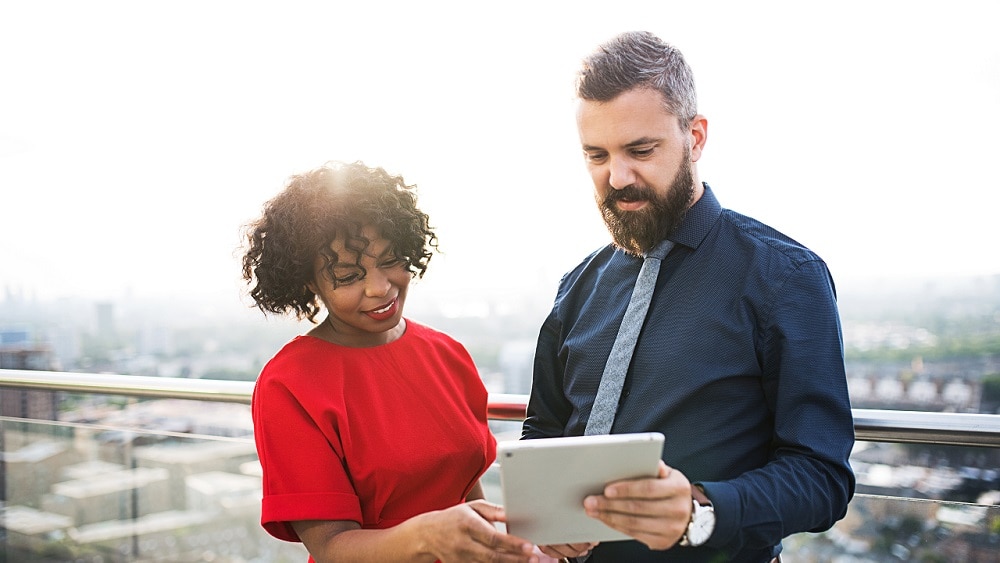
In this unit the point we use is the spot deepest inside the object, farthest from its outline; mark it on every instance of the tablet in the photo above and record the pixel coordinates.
(544, 482)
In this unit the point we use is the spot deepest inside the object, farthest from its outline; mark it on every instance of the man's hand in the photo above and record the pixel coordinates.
(654, 511)
(566, 550)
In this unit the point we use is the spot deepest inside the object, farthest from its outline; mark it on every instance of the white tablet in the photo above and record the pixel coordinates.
(545, 480)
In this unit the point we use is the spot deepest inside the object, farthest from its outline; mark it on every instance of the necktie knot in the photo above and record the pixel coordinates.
(661, 250)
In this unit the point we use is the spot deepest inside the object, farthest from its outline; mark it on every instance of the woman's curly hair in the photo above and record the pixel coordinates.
(313, 210)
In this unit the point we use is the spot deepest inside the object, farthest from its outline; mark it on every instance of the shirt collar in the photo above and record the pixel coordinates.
(698, 220)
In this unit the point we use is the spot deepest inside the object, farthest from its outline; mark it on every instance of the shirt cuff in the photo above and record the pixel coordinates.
(728, 512)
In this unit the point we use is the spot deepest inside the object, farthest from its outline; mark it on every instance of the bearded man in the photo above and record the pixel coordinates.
(739, 361)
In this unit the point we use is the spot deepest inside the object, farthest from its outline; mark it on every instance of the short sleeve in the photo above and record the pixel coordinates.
(304, 474)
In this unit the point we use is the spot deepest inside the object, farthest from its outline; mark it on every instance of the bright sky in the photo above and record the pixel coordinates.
(137, 137)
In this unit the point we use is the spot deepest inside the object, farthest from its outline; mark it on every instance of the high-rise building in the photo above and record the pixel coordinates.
(16, 353)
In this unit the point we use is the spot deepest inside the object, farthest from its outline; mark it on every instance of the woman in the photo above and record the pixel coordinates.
(371, 428)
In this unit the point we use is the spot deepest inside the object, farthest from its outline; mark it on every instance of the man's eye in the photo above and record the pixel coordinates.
(642, 152)
(594, 156)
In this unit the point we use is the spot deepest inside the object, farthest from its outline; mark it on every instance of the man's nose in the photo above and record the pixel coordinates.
(620, 174)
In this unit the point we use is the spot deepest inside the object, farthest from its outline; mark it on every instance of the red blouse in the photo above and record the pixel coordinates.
(375, 435)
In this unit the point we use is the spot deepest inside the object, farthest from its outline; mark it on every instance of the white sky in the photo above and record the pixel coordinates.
(137, 137)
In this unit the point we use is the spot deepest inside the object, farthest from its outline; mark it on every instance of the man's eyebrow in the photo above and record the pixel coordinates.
(642, 141)
(636, 143)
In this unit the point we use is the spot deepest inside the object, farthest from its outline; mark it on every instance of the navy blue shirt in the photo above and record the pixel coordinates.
(740, 365)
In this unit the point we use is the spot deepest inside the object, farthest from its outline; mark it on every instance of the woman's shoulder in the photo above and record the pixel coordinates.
(298, 355)
(298, 346)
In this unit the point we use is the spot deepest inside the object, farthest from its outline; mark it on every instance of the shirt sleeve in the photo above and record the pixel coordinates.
(304, 477)
(548, 410)
(808, 482)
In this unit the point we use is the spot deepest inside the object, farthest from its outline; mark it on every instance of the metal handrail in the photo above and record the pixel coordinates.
(873, 425)
(129, 385)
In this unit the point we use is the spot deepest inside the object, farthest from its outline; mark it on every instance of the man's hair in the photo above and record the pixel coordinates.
(639, 59)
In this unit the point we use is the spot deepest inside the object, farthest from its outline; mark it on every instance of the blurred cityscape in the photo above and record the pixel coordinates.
(928, 345)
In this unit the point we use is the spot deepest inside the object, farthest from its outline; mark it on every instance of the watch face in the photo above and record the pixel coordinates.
(701, 526)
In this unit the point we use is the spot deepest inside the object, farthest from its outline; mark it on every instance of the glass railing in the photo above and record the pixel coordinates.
(102, 493)
(112, 468)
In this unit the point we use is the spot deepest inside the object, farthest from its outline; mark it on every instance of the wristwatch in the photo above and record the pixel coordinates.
(701, 526)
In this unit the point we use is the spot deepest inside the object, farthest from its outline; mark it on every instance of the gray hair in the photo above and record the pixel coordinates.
(639, 59)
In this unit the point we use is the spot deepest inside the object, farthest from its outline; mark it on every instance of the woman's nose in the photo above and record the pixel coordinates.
(376, 283)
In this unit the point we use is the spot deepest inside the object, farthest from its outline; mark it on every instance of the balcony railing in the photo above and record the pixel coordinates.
(875, 425)
(102, 491)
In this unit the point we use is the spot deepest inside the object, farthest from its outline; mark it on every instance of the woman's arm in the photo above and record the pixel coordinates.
(460, 533)
(477, 492)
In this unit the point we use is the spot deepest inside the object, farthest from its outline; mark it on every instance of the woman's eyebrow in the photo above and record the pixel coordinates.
(389, 250)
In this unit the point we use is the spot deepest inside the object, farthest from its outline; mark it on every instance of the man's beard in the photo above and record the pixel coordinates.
(637, 232)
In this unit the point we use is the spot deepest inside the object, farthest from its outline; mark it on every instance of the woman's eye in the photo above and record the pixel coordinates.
(347, 276)
(391, 262)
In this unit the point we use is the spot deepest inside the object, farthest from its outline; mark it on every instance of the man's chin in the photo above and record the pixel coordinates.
(627, 244)
(631, 250)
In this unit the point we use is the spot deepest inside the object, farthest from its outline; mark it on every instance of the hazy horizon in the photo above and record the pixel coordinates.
(138, 138)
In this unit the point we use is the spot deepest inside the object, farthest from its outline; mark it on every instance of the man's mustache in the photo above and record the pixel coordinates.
(631, 193)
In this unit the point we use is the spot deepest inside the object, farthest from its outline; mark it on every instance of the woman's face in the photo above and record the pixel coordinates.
(365, 308)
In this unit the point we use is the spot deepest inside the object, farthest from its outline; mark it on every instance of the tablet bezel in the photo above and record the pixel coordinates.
(545, 480)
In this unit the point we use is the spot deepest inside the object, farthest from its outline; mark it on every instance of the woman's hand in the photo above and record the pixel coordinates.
(467, 533)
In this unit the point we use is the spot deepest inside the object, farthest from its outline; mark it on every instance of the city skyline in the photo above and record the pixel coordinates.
(138, 139)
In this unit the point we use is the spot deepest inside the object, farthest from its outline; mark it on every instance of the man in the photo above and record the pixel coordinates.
(740, 360)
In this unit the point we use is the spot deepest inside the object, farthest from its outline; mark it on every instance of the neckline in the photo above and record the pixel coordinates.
(327, 330)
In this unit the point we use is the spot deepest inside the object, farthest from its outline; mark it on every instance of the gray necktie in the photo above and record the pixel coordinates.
(606, 403)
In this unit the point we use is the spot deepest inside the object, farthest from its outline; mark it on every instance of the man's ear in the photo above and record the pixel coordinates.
(699, 135)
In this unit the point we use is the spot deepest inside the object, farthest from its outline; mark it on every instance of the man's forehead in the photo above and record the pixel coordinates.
(648, 98)
(615, 129)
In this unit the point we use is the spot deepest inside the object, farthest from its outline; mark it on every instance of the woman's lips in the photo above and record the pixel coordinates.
(385, 311)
